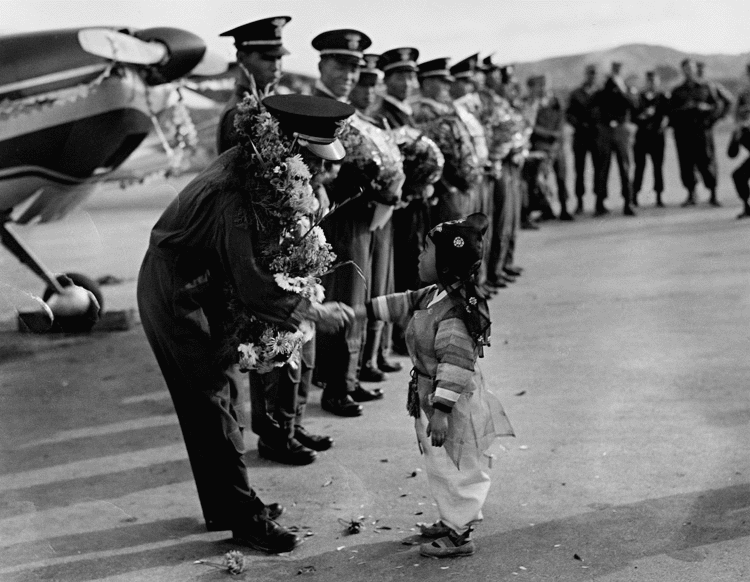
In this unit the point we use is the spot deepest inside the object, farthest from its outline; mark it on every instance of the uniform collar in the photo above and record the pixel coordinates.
(323, 89)
(403, 106)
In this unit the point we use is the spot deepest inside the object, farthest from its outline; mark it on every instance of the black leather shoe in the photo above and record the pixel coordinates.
(497, 284)
(714, 202)
(290, 452)
(566, 216)
(387, 366)
(689, 201)
(628, 210)
(344, 406)
(312, 441)
(515, 271)
(261, 533)
(360, 394)
(369, 373)
(273, 511)
(528, 225)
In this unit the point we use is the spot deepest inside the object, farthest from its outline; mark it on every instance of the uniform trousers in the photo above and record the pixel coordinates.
(612, 140)
(695, 152)
(506, 219)
(483, 204)
(279, 397)
(648, 144)
(741, 177)
(377, 341)
(338, 353)
(204, 394)
(410, 226)
(584, 144)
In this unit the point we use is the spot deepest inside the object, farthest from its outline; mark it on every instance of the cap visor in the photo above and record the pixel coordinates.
(333, 151)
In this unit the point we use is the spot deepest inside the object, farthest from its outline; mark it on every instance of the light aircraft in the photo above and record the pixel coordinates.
(74, 104)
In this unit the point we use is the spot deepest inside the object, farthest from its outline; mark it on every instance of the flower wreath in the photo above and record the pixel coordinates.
(279, 205)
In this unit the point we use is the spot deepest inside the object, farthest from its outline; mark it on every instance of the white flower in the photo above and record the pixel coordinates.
(296, 168)
(458, 242)
(248, 356)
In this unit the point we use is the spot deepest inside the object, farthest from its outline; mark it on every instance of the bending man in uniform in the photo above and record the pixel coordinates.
(201, 249)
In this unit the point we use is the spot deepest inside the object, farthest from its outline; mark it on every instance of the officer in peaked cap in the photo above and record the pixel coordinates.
(313, 122)
(259, 51)
(198, 235)
(436, 68)
(363, 96)
(463, 73)
(341, 56)
(399, 66)
(348, 232)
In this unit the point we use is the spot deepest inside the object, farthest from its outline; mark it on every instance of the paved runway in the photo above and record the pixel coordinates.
(621, 356)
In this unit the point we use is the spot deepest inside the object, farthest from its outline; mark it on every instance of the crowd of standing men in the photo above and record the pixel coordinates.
(500, 149)
(604, 117)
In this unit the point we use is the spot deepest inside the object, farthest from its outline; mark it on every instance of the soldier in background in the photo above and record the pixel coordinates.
(347, 230)
(651, 120)
(259, 52)
(613, 106)
(380, 282)
(723, 95)
(579, 114)
(693, 110)
(499, 120)
(411, 220)
(435, 114)
(277, 399)
(547, 139)
(741, 137)
(469, 105)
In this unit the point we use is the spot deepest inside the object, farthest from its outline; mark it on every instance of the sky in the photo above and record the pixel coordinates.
(514, 30)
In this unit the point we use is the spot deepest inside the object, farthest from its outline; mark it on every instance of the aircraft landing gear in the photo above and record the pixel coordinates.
(72, 314)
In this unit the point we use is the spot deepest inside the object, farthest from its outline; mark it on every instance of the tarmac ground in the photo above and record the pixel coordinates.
(620, 355)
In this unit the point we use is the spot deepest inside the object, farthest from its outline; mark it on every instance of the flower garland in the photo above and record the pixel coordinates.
(423, 162)
(278, 204)
(15, 107)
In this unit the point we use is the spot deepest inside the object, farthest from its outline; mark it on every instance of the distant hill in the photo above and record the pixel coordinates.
(566, 72)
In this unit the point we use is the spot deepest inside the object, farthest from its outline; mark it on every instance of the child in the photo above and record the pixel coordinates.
(457, 418)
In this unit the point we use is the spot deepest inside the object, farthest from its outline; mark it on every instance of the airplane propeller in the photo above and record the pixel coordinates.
(118, 46)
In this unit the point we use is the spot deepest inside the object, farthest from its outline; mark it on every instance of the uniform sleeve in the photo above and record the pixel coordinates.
(256, 288)
(396, 307)
(456, 356)
(226, 136)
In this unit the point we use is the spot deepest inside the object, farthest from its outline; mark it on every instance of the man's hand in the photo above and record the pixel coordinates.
(331, 316)
(438, 428)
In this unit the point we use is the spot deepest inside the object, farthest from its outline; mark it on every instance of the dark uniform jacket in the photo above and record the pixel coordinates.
(396, 114)
(693, 104)
(225, 137)
(612, 104)
(651, 109)
(579, 112)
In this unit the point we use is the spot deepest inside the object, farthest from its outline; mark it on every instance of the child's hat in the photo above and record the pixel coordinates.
(459, 245)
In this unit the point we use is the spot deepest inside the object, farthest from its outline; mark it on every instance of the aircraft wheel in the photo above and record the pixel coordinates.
(77, 323)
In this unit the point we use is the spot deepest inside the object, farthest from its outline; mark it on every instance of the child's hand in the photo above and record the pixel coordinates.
(438, 428)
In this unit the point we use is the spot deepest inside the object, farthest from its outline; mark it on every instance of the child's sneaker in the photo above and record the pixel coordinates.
(450, 546)
(434, 530)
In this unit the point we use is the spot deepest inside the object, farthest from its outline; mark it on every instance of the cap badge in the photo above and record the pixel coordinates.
(458, 242)
(405, 54)
(278, 23)
(372, 62)
(353, 40)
